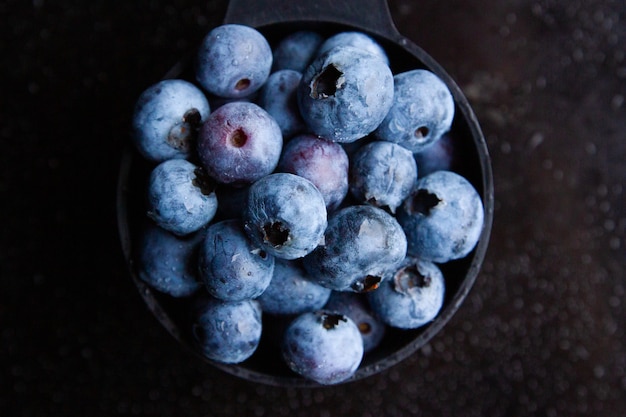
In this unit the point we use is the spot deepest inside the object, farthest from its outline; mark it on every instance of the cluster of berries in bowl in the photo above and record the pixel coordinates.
(301, 199)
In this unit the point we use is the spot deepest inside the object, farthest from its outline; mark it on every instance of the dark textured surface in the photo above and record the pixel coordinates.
(541, 333)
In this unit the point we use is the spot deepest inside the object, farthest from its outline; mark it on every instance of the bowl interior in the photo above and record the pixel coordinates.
(265, 365)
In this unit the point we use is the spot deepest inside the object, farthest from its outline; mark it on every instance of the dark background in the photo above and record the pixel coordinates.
(542, 331)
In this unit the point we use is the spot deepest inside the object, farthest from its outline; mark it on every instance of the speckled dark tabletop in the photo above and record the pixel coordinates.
(542, 331)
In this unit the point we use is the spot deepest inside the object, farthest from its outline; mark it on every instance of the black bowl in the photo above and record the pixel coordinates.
(275, 21)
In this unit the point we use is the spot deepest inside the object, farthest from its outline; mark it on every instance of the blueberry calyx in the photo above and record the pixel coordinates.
(275, 233)
(203, 181)
(193, 117)
(364, 327)
(410, 277)
(330, 321)
(327, 82)
(242, 84)
(238, 138)
(182, 135)
(423, 202)
(369, 283)
(421, 132)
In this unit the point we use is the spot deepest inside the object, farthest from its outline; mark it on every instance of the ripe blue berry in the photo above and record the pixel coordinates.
(422, 110)
(442, 218)
(382, 174)
(361, 244)
(233, 61)
(322, 162)
(227, 332)
(167, 262)
(279, 98)
(325, 347)
(229, 265)
(181, 196)
(411, 297)
(291, 291)
(166, 118)
(345, 94)
(285, 215)
(296, 50)
(239, 143)
(355, 39)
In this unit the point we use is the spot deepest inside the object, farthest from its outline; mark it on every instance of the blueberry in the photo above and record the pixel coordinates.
(323, 346)
(322, 162)
(166, 118)
(345, 94)
(357, 308)
(279, 98)
(181, 196)
(422, 110)
(291, 292)
(239, 143)
(167, 262)
(233, 61)
(230, 267)
(355, 39)
(382, 174)
(412, 297)
(227, 332)
(361, 244)
(285, 215)
(442, 218)
(442, 155)
(296, 50)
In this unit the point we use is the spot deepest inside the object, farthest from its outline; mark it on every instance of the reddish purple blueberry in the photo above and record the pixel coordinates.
(239, 143)
(322, 162)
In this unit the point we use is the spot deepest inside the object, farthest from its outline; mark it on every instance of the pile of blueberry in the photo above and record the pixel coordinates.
(284, 182)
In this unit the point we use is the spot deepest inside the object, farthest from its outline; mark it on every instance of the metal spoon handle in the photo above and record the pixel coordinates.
(371, 15)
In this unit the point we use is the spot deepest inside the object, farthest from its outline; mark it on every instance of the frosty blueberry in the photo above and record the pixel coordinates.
(167, 262)
(239, 143)
(285, 215)
(355, 39)
(382, 174)
(166, 118)
(322, 162)
(296, 50)
(230, 267)
(279, 98)
(442, 218)
(357, 308)
(181, 197)
(361, 244)
(291, 291)
(345, 94)
(323, 346)
(411, 297)
(227, 332)
(422, 110)
(233, 61)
